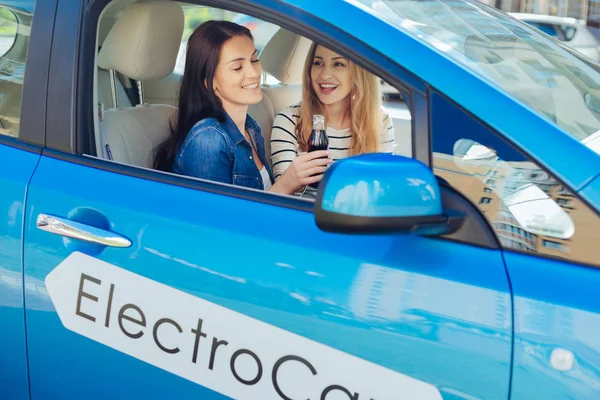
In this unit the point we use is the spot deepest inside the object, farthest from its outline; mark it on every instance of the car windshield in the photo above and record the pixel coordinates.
(553, 80)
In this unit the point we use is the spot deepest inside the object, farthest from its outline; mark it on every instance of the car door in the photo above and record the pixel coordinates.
(549, 236)
(16, 165)
(159, 286)
(20, 141)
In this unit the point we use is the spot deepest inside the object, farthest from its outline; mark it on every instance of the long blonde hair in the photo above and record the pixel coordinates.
(365, 108)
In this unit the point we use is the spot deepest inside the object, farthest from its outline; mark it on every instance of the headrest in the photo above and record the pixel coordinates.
(144, 42)
(284, 56)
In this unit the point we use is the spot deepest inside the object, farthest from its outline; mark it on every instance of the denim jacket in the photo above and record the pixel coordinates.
(218, 151)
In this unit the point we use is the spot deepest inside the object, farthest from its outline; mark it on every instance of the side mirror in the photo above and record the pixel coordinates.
(379, 193)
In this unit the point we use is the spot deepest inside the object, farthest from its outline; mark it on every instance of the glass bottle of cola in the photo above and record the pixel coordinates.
(318, 138)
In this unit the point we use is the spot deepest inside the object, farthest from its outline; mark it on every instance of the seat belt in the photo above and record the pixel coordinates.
(130, 86)
(106, 153)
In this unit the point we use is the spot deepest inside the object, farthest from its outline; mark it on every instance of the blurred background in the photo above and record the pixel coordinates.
(584, 13)
(579, 9)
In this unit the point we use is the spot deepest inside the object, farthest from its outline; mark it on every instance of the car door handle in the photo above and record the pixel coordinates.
(76, 230)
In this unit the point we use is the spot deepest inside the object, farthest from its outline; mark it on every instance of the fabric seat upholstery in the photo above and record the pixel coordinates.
(142, 45)
(283, 57)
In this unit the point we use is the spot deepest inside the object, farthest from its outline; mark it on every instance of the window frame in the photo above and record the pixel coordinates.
(70, 131)
(32, 128)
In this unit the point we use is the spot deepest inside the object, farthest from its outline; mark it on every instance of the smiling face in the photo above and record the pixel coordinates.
(330, 76)
(237, 77)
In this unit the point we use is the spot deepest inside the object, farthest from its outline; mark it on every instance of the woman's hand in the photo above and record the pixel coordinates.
(306, 169)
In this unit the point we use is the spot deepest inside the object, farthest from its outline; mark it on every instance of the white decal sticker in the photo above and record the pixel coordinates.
(226, 351)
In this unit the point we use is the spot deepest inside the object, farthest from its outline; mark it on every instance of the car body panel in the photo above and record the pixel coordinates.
(417, 312)
(557, 352)
(13, 181)
(590, 52)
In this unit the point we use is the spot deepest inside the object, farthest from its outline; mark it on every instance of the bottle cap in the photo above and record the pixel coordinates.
(318, 122)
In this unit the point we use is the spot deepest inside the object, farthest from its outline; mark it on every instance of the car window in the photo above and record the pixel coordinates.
(508, 53)
(275, 114)
(529, 210)
(15, 22)
(8, 30)
(548, 29)
(560, 32)
(262, 31)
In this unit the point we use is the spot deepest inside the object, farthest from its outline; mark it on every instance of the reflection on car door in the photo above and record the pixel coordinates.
(432, 310)
(556, 317)
(21, 131)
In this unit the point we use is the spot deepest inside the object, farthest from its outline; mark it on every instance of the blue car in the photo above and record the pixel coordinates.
(465, 268)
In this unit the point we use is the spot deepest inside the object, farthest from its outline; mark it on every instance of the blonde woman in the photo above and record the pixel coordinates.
(349, 98)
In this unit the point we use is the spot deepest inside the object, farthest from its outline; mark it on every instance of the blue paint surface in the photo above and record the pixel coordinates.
(556, 307)
(382, 185)
(406, 302)
(16, 167)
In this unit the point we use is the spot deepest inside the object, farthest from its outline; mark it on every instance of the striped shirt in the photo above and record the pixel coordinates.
(284, 144)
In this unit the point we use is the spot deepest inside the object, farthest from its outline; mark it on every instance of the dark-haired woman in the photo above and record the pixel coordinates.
(214, 137)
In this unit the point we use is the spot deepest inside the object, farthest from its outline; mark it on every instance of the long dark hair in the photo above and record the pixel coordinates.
(198, 100)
